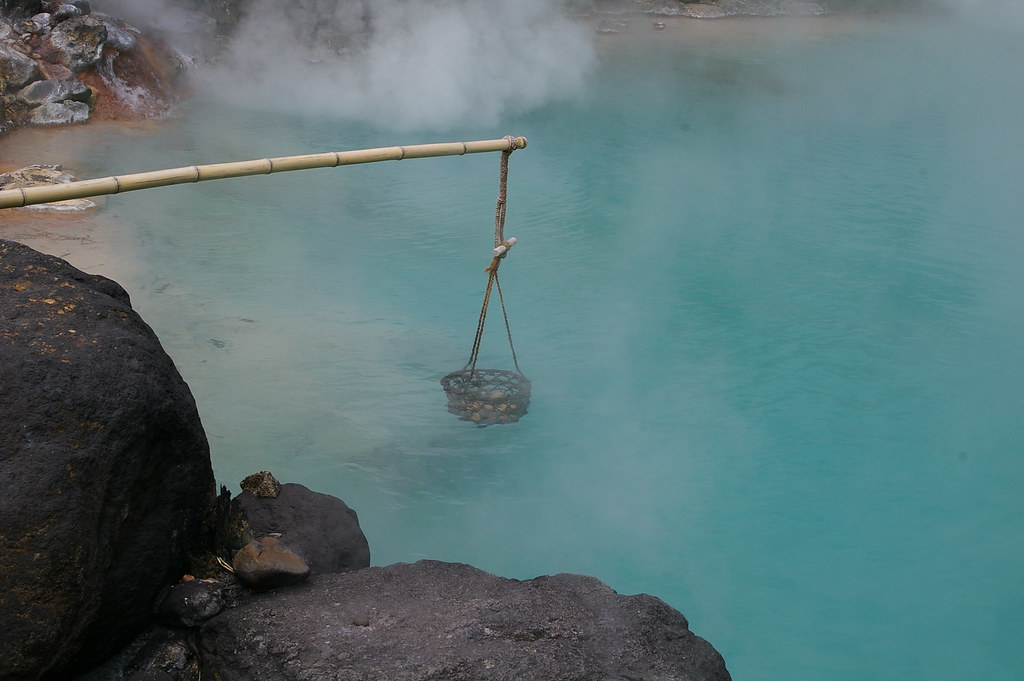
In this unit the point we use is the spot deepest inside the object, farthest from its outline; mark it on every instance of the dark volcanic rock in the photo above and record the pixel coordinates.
(158, 654)
(65, 12)
(319, 528)
(19, 7)
(434, 620)
(262, 484)
(105, 475)
(189, 604)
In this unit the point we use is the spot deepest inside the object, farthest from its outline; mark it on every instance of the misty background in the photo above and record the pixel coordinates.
(394, 63)
(435, 65)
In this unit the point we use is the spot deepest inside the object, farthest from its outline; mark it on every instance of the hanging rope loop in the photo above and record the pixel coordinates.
(501, 249)
(489, 396)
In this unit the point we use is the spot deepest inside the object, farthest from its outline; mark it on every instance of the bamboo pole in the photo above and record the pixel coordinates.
(116, 184)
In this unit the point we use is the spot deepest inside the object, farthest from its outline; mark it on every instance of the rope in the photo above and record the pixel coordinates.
(499, 211)
(492, 269)
(492, 282)
(508, 329)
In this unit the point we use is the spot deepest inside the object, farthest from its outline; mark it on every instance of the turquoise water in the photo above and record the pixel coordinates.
(768, 290)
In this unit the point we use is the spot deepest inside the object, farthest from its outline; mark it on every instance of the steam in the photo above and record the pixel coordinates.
(405, 64)
(191, 33)
(1005, 14)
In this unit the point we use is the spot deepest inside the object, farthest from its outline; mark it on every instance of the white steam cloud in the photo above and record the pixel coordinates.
(404, 65)
(190, 32)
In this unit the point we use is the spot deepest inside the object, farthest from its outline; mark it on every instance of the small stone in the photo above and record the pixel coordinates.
(42, 20)
(65, 12)
(268, 564)
(189, 604)
(262, 484)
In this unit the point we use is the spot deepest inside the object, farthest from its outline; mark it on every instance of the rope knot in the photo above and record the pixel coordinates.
(500, 252)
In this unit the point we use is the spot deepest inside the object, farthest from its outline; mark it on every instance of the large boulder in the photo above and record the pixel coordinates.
(319, 528)
(78, 42)
(105, 475)
(56, 101)
(434, 620)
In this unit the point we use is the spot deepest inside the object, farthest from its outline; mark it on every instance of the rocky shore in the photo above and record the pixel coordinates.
(119, 560)
(61, 64)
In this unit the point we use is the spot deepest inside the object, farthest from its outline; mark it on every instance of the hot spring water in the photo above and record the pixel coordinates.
(768, 289)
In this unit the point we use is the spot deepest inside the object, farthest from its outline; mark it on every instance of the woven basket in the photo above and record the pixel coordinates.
(487, 396)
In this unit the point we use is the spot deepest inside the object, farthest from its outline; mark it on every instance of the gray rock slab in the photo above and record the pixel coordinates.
(435, 620)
